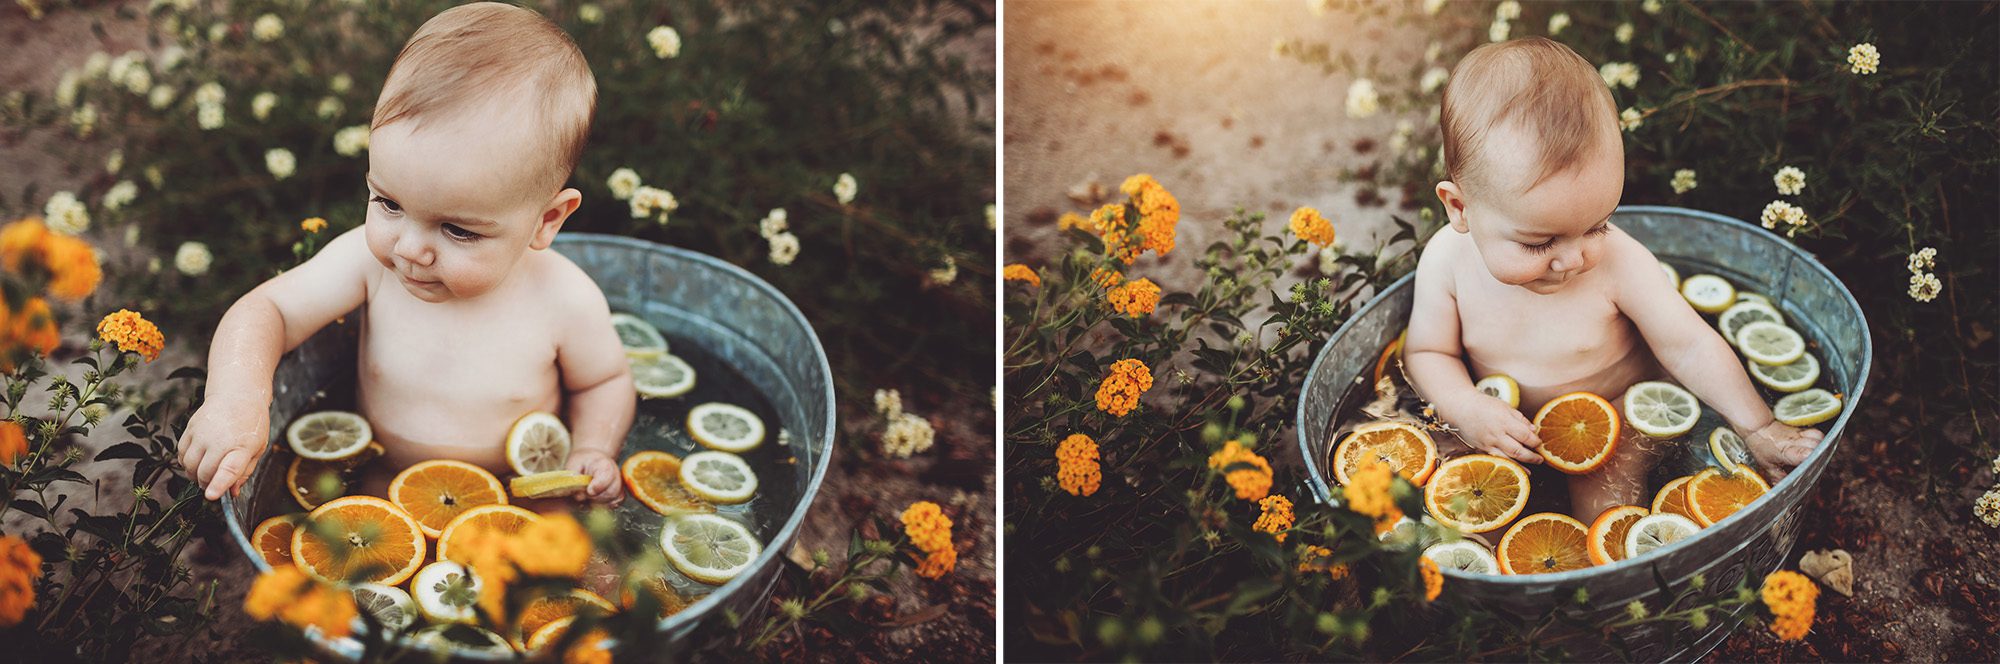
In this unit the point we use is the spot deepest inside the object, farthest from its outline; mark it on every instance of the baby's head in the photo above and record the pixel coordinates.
(479, 124)
(1534, 159)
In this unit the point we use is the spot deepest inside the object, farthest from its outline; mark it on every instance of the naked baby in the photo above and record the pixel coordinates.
(470, 321)
(1530, 279)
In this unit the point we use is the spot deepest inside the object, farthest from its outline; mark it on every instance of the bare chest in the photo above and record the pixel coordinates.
(1542, 338)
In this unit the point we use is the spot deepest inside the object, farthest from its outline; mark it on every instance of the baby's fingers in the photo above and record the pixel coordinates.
(228, 472)
(1512, 449)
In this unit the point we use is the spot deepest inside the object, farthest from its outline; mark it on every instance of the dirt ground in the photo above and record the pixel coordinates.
(951, 619)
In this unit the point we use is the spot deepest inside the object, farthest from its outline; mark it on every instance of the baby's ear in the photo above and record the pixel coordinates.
(553, 215)
(1453, 199)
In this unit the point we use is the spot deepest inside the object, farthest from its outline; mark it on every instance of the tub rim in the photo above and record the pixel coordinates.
(1323, 492)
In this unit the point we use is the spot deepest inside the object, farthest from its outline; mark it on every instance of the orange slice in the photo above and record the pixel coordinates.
(477, 527)
(549, 608)
(309, 482)
(366, 540)
(671, 600)
(273, 539)
(436, 491)
(1672, 498)
(655, 478)
(1544, 543)
(1407, 449)
(1394, 349)
(1713, 495)
(1579, 431)
(1607, 533)
(1477, 493)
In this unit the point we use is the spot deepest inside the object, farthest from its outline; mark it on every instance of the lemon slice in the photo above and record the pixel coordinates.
(1502, 387)
(719, 477)
(1798, 375)
(1673, 275)
(1657, 530)
(709, 548)
(1770, 343)
(1708, 293)
(1744, 313)
(1408, 533)
(548, 485)
(329, 435)
(537, 443)
(1729, 450)
(446, 592)
(1465, 556)
(660, 376)
(389, 604)
(457, 638)
(1746, 296)
(726, 427)
(1807, 408)
(636, 334)
(1660, 409)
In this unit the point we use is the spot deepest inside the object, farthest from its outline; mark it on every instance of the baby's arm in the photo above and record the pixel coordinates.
(1431, 360)
(598, 387)
(1699, 357)
(229, 432)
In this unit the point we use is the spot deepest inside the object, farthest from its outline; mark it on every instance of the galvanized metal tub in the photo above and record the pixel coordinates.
(720, 308)
(1755, 541)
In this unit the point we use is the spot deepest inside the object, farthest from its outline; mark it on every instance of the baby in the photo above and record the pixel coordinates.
(470, 322)
(1534, 282)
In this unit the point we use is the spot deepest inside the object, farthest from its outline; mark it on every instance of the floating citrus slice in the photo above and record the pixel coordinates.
(389, 604)
(313, 483)
(1544, 543)
(725, 427)
(719, 477)
(537, 443)
(329, 435)
(361, 539)
(1477, 493)
(1729, 450)
(635, 334)
(1744, 313)
(1389, 352)
(1673, 499)
(476, 529)
(1502, 387)
(547, 609)
(709, 548)
(446, 592)
(1673, 275)
(1770, 343)
(1607, 533)
(654, 477)
(1800, 374)
(1660, 409)
(660, 376)
(1408, 450)
(1708, 293)
(1746, 296)
(1463, 555)
(1807, 408)
(670, 600)
(547, 633)
(1713, 494)
(461, 638)
(1579, 431)
(436, 491)
(1656, 531)
(548, 485)
(1408, 533)
(273, 539)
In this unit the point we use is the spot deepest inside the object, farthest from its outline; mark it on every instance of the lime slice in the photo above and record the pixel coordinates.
(1502, 387)
(1657, 530)
(709, 548)
(660, 376)
(1463, 555)
(1798, 375)
(726, 427)
(1708, 293)
(1660, 409)
(329, 435)
(1729, 450)
(389, 604)
(719, 477)
(456, 638)
(1744, 313)
(1770, 343)
(537, 443)
(1746, 296)
(637, 334)
(1673, 275)
(1807, 408)
(446, 592)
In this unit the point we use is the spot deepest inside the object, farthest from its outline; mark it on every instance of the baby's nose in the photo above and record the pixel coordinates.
(411, 248)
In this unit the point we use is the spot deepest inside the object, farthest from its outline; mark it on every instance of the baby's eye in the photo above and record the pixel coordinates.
(457, 233)
(1539, 248)
(387, 204)
(1600, 230)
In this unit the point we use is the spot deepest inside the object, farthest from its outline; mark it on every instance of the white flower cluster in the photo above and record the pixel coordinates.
(1623, 33)
(1790, 181)
(1400, 139)
(992, 216)
(130, 70)
(845, 187)
(1924, 286)
(84, 119)
(776, 229)
(1683, 181)
(1619, 73)
(1651, 6)
(889, 403)
(906, 433)
(1433, 79)
(590, 13)
(281, 162)
(1630, 119)
(1362, 100)
(1498, 32)
(1431, 7)
(946, 274)
(1863, 59)
(623, 182)
(114, 162)
(666, 42)
(340, 83)
(1987, 508)
(350, 141)
(208, 105)
(1507, 11)
(1780, 211)
(1557, 22)
(268, 28)
(120, 195)
(161, 97)
(65, 214)
(193, 259)
(329, 108)
(653, 202)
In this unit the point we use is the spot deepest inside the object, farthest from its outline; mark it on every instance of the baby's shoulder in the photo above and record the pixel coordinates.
(560, 281)
(1441, 252)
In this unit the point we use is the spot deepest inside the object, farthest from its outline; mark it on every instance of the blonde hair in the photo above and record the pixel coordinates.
(1558, 98)
(471, 54)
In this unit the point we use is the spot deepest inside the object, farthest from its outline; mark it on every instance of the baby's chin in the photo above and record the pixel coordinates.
(1545, 286)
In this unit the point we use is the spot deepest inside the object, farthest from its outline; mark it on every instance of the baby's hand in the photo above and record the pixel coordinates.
(222, 442)
(1490, 425)
(606, 485)
(1779, 447)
